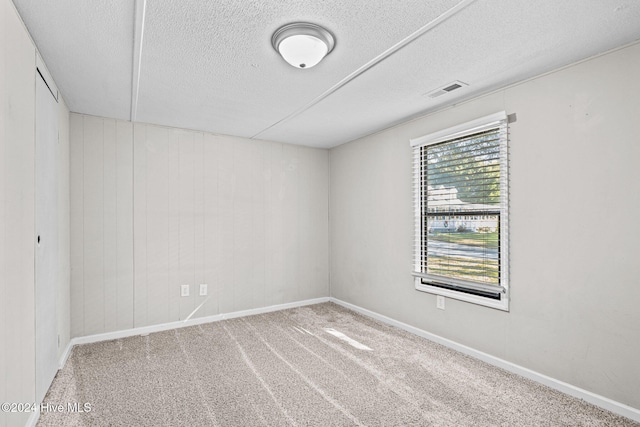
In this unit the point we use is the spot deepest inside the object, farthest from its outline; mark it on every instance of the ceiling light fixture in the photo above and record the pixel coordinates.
(302, 44)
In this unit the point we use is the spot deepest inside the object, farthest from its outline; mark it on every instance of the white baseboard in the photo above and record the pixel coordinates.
(65, 355)
(33, 419)
(571, 390)
(182, 324)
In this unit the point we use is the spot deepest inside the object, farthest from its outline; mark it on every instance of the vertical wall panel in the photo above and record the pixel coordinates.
(19, 229)
(186, 202)
(274, 236)
(93, 225)
(140, 225)
(317, 210)
(64, 278)
(76, 197)
(244, 239)
(4, 349)
(305, 220)
(313, 223)
(258, 220)
(291, 240)
(17, 109)
(101, 230)
(198, 226)
(174, 225)
(226, 191)
(110, 230)
(212, 243)
(124, 223)
(157, 223)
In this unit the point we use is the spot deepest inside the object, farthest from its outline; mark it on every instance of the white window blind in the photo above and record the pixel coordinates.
(461, 211)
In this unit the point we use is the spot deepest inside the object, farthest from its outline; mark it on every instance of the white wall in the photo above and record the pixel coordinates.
(153, 208)
(17, 150)
(575, 204)
(17, 221)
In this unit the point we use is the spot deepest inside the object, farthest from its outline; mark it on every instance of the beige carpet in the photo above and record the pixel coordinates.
(318, 365)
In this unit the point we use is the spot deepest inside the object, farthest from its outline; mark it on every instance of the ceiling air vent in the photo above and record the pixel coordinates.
(450, 87)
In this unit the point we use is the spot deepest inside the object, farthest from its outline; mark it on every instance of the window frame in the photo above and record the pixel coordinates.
(454, 288)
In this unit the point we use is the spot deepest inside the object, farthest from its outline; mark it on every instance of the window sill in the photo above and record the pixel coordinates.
(502, 304)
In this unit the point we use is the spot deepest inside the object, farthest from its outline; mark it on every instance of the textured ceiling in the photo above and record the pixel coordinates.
(209, 65)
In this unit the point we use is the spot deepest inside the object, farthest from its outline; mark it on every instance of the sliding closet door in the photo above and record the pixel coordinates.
(46, 213)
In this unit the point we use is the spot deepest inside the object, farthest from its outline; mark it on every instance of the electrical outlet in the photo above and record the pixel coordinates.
(203, 289)
(184, 290)
(440, 302)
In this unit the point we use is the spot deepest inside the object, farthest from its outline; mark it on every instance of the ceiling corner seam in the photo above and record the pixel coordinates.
(140, 10)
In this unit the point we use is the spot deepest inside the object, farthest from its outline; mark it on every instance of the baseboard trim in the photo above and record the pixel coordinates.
(65, 355)
(571, 390)
(32, 421)
(143, 330)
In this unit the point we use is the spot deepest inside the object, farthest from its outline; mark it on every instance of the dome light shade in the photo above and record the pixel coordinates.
(302, 45)
(302, 51)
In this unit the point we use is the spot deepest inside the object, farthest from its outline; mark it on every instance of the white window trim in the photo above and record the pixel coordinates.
(458, 131)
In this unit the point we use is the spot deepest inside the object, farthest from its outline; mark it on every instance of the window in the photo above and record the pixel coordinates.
(461, 212)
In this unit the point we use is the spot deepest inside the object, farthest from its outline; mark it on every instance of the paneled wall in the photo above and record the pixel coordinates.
(154, 208)
(102, 226)
(64, 267)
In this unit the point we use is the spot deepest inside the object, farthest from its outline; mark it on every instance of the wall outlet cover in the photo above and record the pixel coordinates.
(440, 302)
(184, 290)
(203, 289)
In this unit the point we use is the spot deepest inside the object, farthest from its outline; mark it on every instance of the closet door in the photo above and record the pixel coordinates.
(46, 218)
